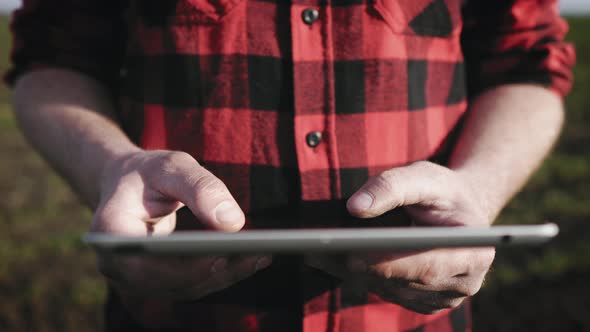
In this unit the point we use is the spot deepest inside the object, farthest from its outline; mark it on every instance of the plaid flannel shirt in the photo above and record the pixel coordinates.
(294, 104)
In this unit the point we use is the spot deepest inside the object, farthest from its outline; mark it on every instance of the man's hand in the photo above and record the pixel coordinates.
(140, 194)
(426, 281)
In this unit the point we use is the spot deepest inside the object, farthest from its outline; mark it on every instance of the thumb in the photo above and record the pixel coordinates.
(417, 183)
(205, 195)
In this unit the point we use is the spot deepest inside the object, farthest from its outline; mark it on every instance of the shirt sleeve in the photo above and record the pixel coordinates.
(86, 36)
(516, 41)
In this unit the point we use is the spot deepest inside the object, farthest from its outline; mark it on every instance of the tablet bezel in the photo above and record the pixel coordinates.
(294, 241)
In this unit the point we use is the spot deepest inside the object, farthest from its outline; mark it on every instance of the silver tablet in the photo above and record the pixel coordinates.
(295, 241)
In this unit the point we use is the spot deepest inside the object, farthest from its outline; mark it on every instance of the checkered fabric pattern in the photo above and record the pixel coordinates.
(294, 104)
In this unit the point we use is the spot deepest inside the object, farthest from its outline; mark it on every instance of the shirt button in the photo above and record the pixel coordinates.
(313, 139)
(310, 15)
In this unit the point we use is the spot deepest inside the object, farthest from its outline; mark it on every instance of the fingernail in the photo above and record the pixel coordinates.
(360, 201)
(262, 263)
(228, 213)
(357, 265)
(218, 265)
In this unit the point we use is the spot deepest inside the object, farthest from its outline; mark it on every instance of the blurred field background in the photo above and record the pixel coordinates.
(48, 281)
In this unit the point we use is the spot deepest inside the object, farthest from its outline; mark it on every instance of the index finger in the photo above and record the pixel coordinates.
(181, 177)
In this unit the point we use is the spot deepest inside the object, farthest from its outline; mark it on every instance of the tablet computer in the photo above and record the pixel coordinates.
(293, 241)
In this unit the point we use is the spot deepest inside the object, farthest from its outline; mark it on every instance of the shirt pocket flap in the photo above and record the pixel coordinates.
(432, 18)
(185, 11)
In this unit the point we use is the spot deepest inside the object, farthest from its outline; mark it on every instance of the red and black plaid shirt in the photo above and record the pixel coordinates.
(294, 104)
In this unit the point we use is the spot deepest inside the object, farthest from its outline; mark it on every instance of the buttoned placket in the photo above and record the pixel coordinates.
(314, 108)
(314, 126)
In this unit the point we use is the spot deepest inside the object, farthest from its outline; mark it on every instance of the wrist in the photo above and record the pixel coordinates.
(113, 166)
(486, 193)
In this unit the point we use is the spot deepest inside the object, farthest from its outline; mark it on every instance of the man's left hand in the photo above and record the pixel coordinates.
(426, 281)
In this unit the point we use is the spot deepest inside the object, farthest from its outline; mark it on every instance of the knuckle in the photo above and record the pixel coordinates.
(384, 272)
(471, 288)
(390, 183)
(481, 260)
(429, 275)
(387, 178)
(207, 184)
(180, 157)
(385, 181)
(429, 167)
(464, 287)
(170, 162)
(422, 164)
(486, 257)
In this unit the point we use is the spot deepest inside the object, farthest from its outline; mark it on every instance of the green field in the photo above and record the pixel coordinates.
(4, 48)
(48, 281)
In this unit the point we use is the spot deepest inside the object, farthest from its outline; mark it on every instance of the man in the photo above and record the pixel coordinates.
(259, 113)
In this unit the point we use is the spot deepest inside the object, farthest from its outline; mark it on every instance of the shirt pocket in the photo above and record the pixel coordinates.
(438, 18)
(184, 12)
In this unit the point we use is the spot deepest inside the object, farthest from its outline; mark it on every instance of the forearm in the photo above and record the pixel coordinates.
(507, 134)
(68, 117)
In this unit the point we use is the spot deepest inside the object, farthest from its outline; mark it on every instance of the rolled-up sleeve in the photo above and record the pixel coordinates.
(516, 41)
(86, 36)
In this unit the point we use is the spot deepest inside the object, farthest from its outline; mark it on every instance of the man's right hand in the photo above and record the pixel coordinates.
(139, 195)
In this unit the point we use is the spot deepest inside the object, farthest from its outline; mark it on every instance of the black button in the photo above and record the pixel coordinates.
(313, 139)
(310, 15)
